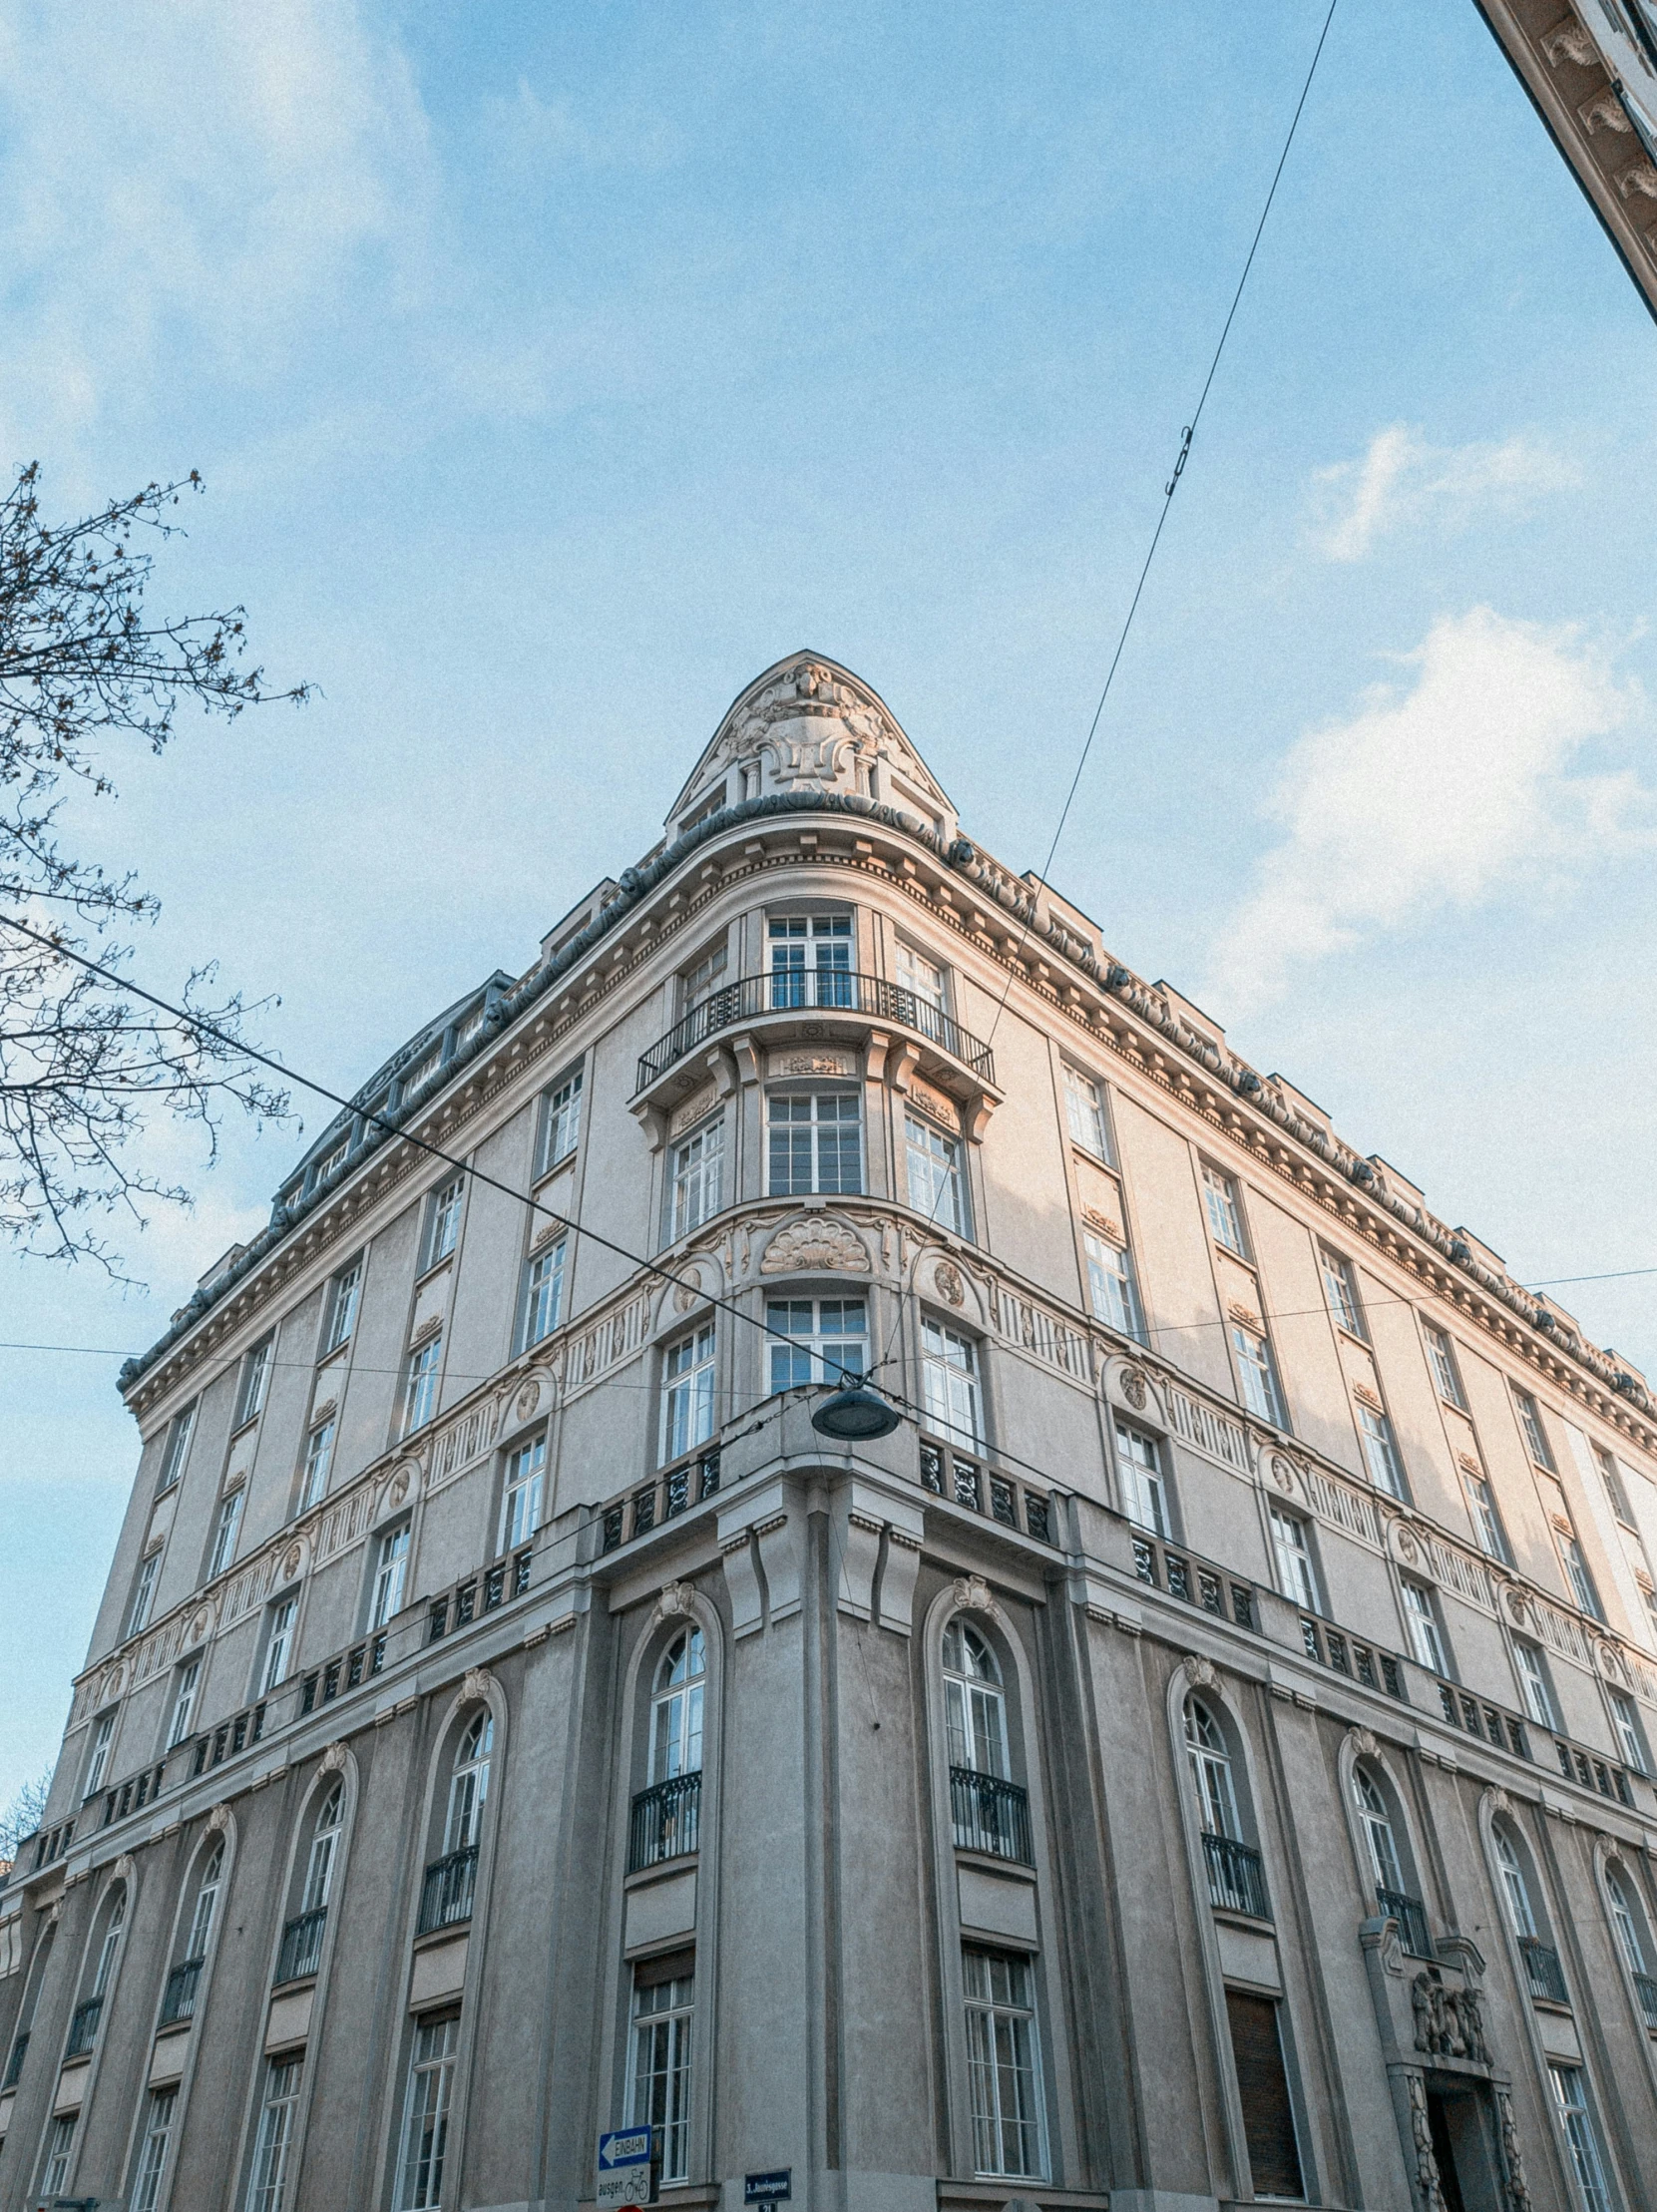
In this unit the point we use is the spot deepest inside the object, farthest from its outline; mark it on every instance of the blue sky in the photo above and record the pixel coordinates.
(553, 369)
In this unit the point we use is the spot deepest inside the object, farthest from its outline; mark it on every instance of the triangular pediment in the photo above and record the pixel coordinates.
(808, 723)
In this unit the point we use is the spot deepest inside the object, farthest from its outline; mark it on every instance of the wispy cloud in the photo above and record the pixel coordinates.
(1436, 795)
(1402, 481)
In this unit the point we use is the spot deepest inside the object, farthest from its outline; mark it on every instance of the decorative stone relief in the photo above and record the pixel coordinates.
(1364, 1742)
(398, 1487)
(477, 1685)
(675, 1600)
(1283, 1472)
(1641, 179)
(324, 1412)
(1607, 110)
(1427, 2165)
(972, 1595)
(429, 1327)
(1200, 1672)
(333, 1759)
(1135, 1388)
(692, 1107)
(932, 1100)
(1450, 2024)
(824, 1243)
(219, 1820)
(198, 1627)
(945, 1281)
(1568, 42)
(126, 1866)
(687, 1291)
(1519, 2196)
(821, 1062)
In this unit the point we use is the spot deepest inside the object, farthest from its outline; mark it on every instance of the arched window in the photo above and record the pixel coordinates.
(324, 1842)
(1629, 1923)
(677, 1709)
(206, 1903)
(1377, 1824)
(110, 1948)
(1211, 1766)
(469, 1784)
(975, 1704)
(1514, 1887)
(99, 1971)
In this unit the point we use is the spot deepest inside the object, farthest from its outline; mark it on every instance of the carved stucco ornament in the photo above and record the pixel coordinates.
(689, 1289)
(1500, 1802)
(1519, 2195)
(1283, 1472)
(972, 1595)
(678, 1599)
(1135, 1388)
(1201, 1673)
(218, 1818)
(293, 1559)
(1421, 2128)
(823, 1243)
(126, 1866)
(333, 1759)
(947, 1282)
(528, 1399)
(1364, 1742)
(477, 1685)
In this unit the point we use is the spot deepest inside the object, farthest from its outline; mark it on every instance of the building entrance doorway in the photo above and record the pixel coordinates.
(1464, 2143)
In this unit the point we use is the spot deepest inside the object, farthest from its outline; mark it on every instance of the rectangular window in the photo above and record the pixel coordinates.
(443, 1221)
(1263, 2092)
(153, 2151)
(687, 1409)
(1530, 1423)
(273, 2143)
(1296, 1569)
(178, 1447)
(1110, 1287)
(144, 1592)
(422, 1072)
(345, 1294)
(256, 1381)
(431, 2085)
(561, 1123)
(97, 1765)
(390, 1571)
(1341, 1289)
(1533, 1681)
(1380, 1452)
(1085, 1113)
(1144, 1487)
(1225, 1219)
(332, 1161)
(278, 1651)
(949, 1384)
(663, 1997)
(1627, 1725)
(1570, 2101)
(811, 958)
(937, 1185)
(815, 1143)
(542, 1295)
(698, 1178)
(1611, 1476)
(60, 2143)
(1442, 1354)
(1425, 1636)
(1577, 1575)
(520, 1502)
(1002, 2066)
(705, 978)
(1257, 1375)
(1486, 1523)
(183, 1702)
(319, 1451)
(828, 1340)
(923, 980)
(420, 1385)
(225, 1533)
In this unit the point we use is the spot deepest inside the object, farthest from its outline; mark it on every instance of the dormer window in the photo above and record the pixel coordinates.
(706, 806)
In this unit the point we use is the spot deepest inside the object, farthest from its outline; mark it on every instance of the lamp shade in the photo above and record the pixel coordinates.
(854, 1414)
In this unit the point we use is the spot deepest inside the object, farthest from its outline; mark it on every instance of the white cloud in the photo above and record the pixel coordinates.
(1402, 481)
(1433, 797)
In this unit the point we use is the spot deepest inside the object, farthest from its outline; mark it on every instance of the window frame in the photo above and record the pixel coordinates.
(1129, 1321)
(443, 1218)
(1444, 1366)
(186, 1685)
(1295, 1585)
(1425, 1629)
(143, 1602)
(344, 1303)
(253, 1385)
(1626, 1730)
(695, 1387)
(180, 1434)
(646, 2026)
(419, 2128)
(1587, 2163)
(1222, 1202)
(816, 1187)
(1489, 1529)
(1340, 1287)
(227, 1529)
(282, 1635)
(1079, 1110)
(540, 1301)
(1528, 1412)
(987, 2067)
(1252, 1355)
(1135, 1473)
(275, 2132)
(318, 1463)
(421, 1381)
(161, 2115)
(942, 1154)
(514, 1486)
(812, 1344)
(558, 1126)
(696, 1185)
(389, 1572)
(936, 1397)
(1377, 1442)
(1535, 1684)
(98, 1745)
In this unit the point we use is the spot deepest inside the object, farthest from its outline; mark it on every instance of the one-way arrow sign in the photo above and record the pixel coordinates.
(623, 2168)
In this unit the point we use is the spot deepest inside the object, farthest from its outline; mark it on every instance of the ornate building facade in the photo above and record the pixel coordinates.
(1201, 1754)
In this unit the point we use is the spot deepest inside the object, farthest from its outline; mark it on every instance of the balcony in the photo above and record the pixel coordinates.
(301, 1951)
(991, 1816)
(1593, 1772)
(358, 1665)
(1541, 1970)
(667, 1822)
(673, 1491)
(1348, 1655)
(1194, 1581)
(14, 2070)
(178, 1998)
(815, 991)
(965, 1480)
(1236, 1877)
(82, 2028)
(228, 1738)
(477, 1594)
(1645, 1989)
(446, 1896)
(1411, 1921)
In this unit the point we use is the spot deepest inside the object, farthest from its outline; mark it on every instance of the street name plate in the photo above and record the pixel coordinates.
(772, 2188)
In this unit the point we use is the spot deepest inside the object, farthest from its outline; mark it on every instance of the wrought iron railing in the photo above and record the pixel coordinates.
(1542, 1970)
(966, 1480)
(230, 1737)
(178, 1998)
(477, 1594)
(302, 1952)
(1411, 1916)
(137, 1790)
(667, 1821)
(1349, 1655)
(1236, 1877)
(360, 1663)
(14, 2066)
(991, 1815)
(1645, 1989)
(451, 1881)
(82, 2028)
(1195, 1581)
(1593, 1772)
(820, 990)
(673, 1491)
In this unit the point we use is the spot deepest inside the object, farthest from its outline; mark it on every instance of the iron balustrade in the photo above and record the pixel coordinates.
(1645, 1989)
(450, 1884)
(667, 1821)
(991, 1815)
(82, 2028)
(815, 991)
(51, 1844)
(1194, 1581)
(1542, 1970)
(674, 1491)
(1593, 1772)
(965, 1479)
(302, 1952)
(178, 1998)
(1411, 1916)
(230, 1737)
(137, 1790)
(358, 1665)
(1479, 1718)
(14, 2069)
(1346, 1654)
(1236, 1876)
(477, 1594)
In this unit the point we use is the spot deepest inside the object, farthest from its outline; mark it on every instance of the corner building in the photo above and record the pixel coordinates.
(1201, 1755)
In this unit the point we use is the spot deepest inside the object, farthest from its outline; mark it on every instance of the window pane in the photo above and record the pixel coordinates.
(1225, 1221)
(426, 2115)
(1085, 1113)
(1110, 1287)
(1002, 2065)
